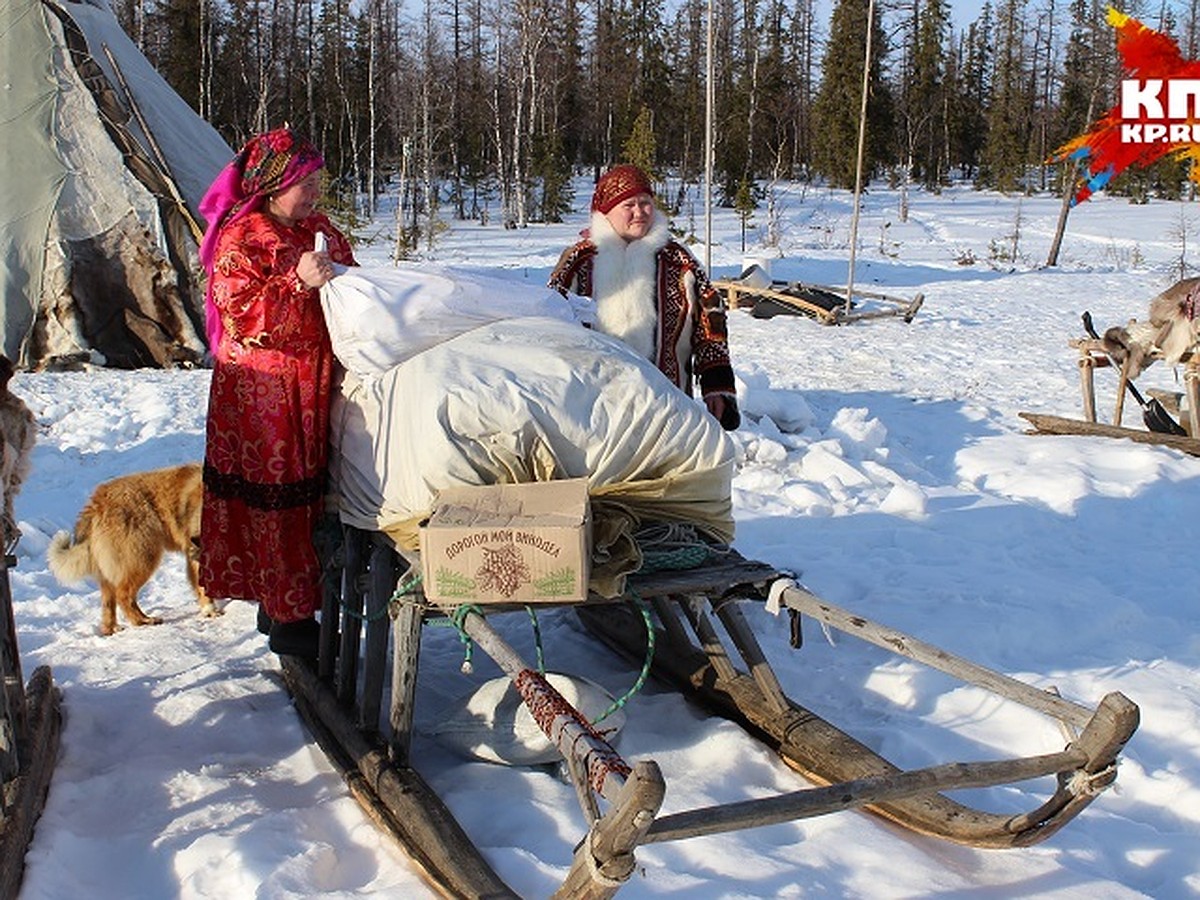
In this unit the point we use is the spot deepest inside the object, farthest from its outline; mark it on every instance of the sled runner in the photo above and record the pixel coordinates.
(696, 620)
(825, 304)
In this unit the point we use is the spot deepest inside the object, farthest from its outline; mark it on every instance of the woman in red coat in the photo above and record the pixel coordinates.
(267, 445)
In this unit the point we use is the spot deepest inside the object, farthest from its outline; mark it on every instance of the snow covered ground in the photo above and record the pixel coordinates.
(884, 462)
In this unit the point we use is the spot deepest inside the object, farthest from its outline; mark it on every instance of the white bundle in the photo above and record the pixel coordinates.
(381, 316)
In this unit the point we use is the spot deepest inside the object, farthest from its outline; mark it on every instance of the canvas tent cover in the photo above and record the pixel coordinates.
(97, 215)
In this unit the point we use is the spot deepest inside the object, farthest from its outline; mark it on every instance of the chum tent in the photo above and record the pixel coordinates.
(103, 169)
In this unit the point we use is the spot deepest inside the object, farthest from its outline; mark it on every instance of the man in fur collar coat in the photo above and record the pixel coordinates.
(650, 291)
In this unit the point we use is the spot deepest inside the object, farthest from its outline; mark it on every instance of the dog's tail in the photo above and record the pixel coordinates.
(71, 562)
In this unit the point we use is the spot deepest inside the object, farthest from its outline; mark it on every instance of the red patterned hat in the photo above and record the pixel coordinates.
(618, 184)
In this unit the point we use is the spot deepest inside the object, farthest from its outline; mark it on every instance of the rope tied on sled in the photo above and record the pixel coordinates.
(668, 546)
(1091, 784)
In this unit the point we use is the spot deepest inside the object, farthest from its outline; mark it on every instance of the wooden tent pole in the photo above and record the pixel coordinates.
(862, 142)
(155, 149)
(708, 141)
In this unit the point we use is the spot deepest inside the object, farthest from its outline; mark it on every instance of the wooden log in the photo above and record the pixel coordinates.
(1122, 381)
(1087, 385)
(395, 796)
(26, 794)
(1046, 424)
(605, 860)
(861, 792)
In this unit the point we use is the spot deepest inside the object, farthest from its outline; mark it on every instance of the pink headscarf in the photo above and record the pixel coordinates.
(268, 163)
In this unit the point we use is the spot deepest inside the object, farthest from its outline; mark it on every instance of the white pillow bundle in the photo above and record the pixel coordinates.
(380, 316)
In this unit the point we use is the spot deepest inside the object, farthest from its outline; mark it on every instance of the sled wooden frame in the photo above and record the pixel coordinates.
(30, 730)
(1092, 356)
(706, 648)
(790, 294)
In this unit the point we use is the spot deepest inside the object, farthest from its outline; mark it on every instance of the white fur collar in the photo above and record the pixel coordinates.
(623, 283)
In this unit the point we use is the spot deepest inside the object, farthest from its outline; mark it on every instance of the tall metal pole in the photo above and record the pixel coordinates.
(862, 141)
(708, 142)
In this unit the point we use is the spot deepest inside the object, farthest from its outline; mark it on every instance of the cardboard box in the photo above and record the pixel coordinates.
(509, 543)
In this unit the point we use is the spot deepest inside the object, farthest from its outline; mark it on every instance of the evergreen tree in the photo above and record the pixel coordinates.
(836, 110)
(924, 106)
(1006, 150)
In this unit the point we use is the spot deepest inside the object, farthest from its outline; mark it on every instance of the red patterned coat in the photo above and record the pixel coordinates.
(267, 443)
(690, 340)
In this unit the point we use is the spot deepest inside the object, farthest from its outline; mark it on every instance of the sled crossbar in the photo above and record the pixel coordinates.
(861, 792)
(804, 601)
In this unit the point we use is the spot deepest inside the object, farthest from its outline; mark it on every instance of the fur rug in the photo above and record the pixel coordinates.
(17, 435)
(1171, 332)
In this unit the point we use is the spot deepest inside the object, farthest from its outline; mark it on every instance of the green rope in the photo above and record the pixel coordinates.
(456, 620)
(537, 640)
(645, 673)
(666, 560)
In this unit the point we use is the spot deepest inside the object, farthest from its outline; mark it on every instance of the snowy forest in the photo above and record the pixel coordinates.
(483, 110)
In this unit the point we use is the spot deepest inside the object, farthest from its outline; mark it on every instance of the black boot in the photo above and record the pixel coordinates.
(299, 638)
(264, 621)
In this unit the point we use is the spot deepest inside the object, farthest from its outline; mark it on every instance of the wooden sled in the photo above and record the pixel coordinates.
(1092, 356)
(825, 304)
(704, 646)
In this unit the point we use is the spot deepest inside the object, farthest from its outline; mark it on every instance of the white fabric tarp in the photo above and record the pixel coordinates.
(378, 317)
(530, 399)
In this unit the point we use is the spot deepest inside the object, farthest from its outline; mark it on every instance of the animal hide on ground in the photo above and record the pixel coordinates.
(17, 435)
(1171, 331)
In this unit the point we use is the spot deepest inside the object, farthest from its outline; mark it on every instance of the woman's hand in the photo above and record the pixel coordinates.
(315, 268)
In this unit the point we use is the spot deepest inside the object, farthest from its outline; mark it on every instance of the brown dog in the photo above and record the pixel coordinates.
(122, 534)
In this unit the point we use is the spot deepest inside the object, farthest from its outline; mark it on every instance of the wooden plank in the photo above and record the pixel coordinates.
(396, 797)
(719, 578)
(406, 651)
(710, 640)
(747, 645)
(26, 794)
(13, 705)
(1046, 424)
(332, 552)
(381, 581)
